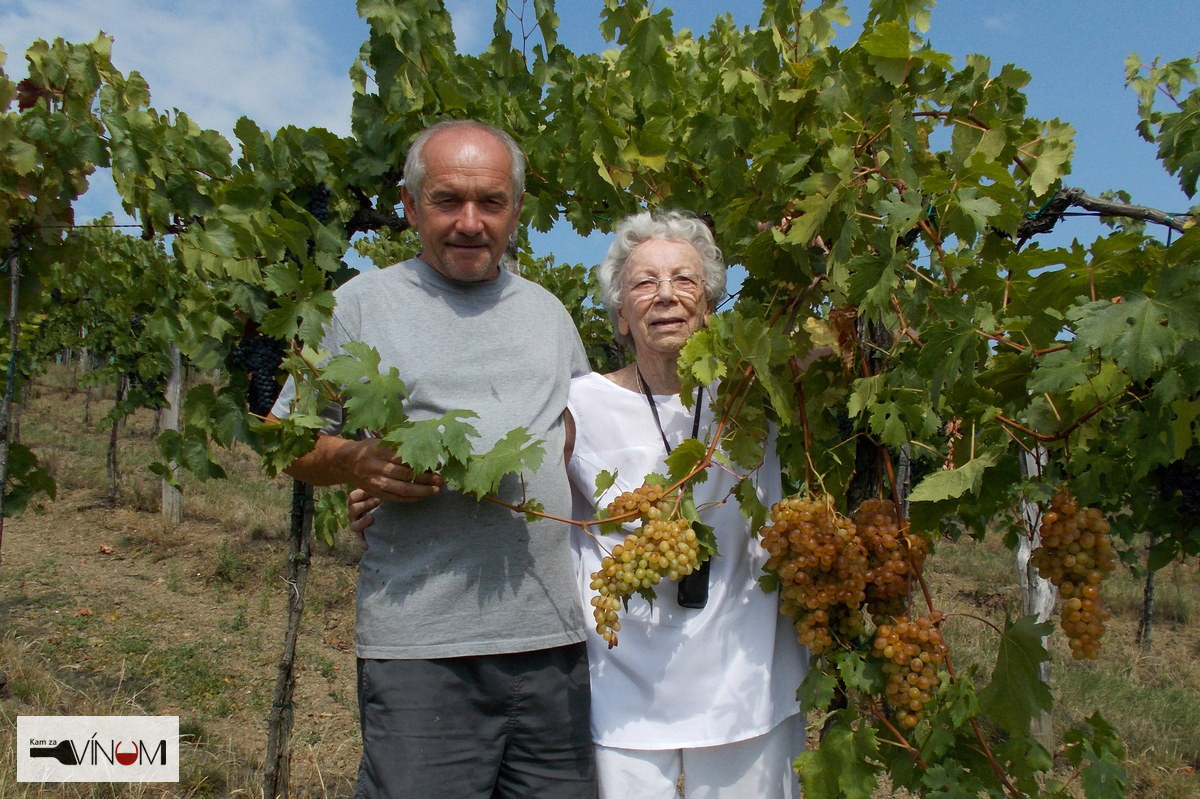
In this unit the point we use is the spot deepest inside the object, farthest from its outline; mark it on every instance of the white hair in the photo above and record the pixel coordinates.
(670, 225)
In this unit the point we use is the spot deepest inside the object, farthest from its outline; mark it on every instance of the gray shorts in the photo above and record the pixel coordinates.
(506, 726)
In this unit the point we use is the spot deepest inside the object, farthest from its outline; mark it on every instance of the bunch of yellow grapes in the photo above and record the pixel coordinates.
(894, 557)
(912, 652)
(821, 565)
(661, 547)
(1076, 554)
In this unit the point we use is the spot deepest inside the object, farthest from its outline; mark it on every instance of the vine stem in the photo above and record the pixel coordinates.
(1050, 437)
(12, 264)
(900, 741)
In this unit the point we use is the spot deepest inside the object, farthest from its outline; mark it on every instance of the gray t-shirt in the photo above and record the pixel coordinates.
(450, 576)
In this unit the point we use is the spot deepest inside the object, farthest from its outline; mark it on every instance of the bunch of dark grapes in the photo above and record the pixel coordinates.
(152, 388)
(1180, 477)
(261, 357)
(1076, 554)
(912, 652)
(821, 565)
(318, 203)
(894, 557)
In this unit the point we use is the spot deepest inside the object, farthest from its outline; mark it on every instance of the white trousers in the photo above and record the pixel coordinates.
(758, 768)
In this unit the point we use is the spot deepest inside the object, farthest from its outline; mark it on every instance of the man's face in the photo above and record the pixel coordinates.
(466, 210)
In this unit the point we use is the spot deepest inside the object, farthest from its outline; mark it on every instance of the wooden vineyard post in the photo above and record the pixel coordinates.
(1037, 594)
(172, 497)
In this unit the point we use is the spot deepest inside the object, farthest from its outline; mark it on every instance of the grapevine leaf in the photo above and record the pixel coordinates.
(817, 690)
(960, 700)
(1096, 750)
(604, 481)
(706, 536)
(949, 781)
(534, 510)
(518, 450)
(1057, 373)
(769, 583)
(750, 504)
(428, 444)
(373, 400)
(329, 515)
(1104, 778)
(978, 209)
(857, 673)
(842, 767)
(26, 478)
(1016, 692)
(683, 460)
(1052, 162)
(953, 483)
(700, 354)
(1131, 332)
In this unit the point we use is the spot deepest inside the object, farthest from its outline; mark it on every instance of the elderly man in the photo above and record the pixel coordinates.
(473, 677)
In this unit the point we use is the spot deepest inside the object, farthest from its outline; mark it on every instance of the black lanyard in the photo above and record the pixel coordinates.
(654, 409)
(693, 588)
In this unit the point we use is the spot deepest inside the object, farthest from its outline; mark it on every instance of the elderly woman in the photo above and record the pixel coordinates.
(704, 693)
(700, 690)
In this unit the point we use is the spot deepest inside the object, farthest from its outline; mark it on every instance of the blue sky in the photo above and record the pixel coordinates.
(286, 62)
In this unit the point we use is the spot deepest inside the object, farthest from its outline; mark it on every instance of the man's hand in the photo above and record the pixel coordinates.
(363, 463)
(359, 504)
(375, 468)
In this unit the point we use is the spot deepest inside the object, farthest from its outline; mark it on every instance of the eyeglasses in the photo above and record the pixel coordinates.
(684, 285)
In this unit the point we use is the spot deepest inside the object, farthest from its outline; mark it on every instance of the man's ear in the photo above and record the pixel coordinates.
(410, 206)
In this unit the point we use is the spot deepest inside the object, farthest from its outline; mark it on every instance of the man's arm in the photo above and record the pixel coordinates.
(367, 464)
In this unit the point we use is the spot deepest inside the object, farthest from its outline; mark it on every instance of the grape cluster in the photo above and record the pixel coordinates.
(660, 548)
(1180, 477)
(894, 557)
(152, 388)
(912, 652)
(822, 567)
(640, 500)
(1075, 554)
(261, 357)
(318, 203)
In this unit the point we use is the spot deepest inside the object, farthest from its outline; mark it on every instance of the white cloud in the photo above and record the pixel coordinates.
(472, 22)
(216, 60)
(1002, 23)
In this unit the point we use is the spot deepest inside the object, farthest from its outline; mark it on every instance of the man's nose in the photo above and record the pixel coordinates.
(469, 219)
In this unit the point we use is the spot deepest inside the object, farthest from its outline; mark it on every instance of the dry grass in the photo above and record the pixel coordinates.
(1150, 696)
(106, 611)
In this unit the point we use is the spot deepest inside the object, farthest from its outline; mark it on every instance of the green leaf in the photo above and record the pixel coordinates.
(604, 481)
(1016, 692)
(373, 401)
(1130, 332)
(684, 458)
(817, 690)
(428, 444)
(978, 209)
(953, 483)
(842, 766)
(517, 451)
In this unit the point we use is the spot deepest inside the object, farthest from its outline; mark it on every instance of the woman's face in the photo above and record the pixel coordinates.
(663, 300)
